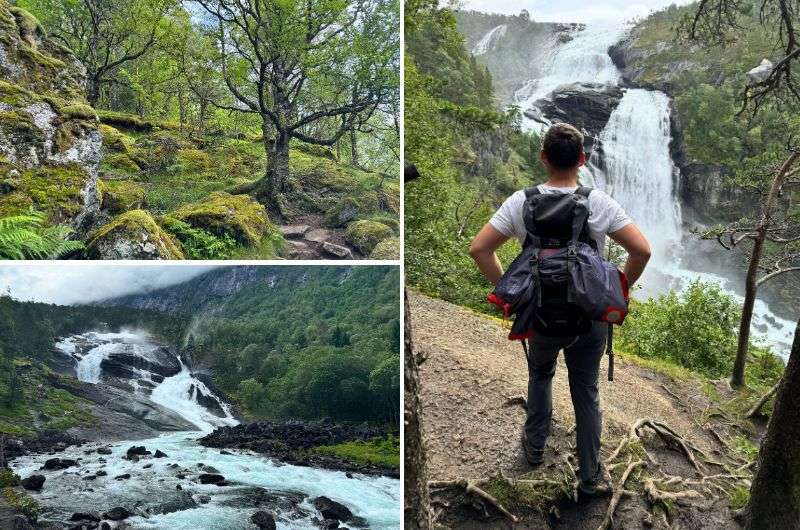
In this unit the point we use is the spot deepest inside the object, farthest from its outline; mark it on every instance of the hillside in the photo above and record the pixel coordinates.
(473, 381)
(123, 183)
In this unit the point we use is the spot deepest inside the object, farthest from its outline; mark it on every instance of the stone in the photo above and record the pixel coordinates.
(760, 73)
(318, 235)
(389, 248)
(124, 476)
(85, 516)
(59, 463)
(117, 514)
(211, 478)
(33, 482)
(104, 451)
(159, 454)
(263, 520)
(133, 235)
(337, 251)
(330, 509)
(300, 250)
(294, 231)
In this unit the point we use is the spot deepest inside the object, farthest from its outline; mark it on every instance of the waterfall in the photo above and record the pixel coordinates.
(488, 41)
(178, 393)
(633, 165)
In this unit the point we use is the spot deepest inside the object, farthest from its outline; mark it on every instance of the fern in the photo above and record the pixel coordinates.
(25, 237)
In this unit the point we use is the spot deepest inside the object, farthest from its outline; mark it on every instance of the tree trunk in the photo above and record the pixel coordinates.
(417, 502)
(92, 91)
(751, 287)
(353, 148)
(775, 493)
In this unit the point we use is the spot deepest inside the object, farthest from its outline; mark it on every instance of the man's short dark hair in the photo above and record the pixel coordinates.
(563, 145)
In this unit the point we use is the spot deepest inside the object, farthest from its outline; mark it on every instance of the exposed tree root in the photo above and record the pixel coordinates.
(666, 433)
(655, 495)
(516, 400)
(619, 491)
(471, 487)
(756, 410)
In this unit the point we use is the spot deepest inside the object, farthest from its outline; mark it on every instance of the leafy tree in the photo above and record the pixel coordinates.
(298, 65)
(104, 35)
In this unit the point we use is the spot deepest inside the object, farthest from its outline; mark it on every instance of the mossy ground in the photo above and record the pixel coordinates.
(40, 406)
(383, 452)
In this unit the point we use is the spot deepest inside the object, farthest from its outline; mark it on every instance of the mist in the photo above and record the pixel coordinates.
(74, 283)
(572, 10)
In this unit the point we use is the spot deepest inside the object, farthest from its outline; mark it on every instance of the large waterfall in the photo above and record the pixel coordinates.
(633, 164)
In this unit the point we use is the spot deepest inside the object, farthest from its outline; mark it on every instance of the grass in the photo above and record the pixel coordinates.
(22, 502)
(383, 452)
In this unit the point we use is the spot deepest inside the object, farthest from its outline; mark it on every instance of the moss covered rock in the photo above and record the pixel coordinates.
(365, 235)
(115, 140)
(55, 190)
(133, 235)
(387, 249)
(118, 196)
(238, 216)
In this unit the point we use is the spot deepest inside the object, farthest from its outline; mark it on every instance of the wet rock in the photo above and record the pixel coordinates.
(85, 516)
(85, 525)
(105, 526)
(263, 520)
(117, 514)
(348, 475)
(147, 466)
(326, 524)
(204, 499)
(138, 450)
(330, 509)
(210, 469)
(33, 482)
(104, 451)
(59, 463)
(211, 478)
(90, 477)
(124, 476)
(183, 501)
(179, 487)
(224, 452)
(336, 251)
(159, 454)
(101, 473)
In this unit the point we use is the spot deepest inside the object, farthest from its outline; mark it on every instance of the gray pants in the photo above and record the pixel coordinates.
(582, 355)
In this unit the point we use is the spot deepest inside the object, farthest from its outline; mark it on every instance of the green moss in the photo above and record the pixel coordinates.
(238, 216)
(14, 203)
(319, 151)
(661, 366)
(78, 111)
(136, 225)
(383, 452)
(22, 502)
(15, 95)
(8, 478)
(55, 190)
(194, 160)
(119, 162)
(365, 235)
(26, 22)
(739, 497)
(115, 140)
(745, 448)
(119, 196)
(389, 248)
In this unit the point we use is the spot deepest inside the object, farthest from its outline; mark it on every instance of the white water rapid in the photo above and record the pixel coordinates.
(637, 170)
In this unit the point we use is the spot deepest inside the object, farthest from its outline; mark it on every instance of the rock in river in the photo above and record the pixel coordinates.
(263, 520)
(34, 482)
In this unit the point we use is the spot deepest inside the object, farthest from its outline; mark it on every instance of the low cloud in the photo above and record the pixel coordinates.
(70, 283)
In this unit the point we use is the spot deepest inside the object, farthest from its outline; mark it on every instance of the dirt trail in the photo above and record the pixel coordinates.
(469, 372)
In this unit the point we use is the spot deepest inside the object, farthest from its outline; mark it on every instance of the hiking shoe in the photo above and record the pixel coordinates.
(593, 487)
(534, 456)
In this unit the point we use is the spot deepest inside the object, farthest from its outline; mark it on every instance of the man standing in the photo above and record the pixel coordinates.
(562, 154)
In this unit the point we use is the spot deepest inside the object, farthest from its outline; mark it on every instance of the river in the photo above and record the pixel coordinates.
(165, 492)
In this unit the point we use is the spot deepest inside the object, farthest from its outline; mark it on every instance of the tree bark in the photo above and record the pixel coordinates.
(92, 91)
(417, 501)
(775, 493)
(750, 289)
(353, 148)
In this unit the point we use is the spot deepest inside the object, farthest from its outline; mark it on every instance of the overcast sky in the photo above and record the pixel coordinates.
(80, 282)
(573, 10)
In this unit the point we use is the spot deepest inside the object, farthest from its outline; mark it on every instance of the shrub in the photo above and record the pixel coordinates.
(8, 478)
(198, 243)
(694, 329)
(22, 502)
(24, 237)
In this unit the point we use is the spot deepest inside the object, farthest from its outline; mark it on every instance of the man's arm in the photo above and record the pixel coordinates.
(482, 249)
(633, 241)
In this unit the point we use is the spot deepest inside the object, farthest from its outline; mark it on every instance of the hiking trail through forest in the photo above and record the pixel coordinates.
(472, 378)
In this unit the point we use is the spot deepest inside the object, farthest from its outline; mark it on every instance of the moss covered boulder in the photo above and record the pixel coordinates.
(387, 249)
(118, 196)
(133, 235)
(47, 129)
(365, 235)
(238, 216)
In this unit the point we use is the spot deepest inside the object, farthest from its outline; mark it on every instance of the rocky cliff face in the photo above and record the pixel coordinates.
(50, 144)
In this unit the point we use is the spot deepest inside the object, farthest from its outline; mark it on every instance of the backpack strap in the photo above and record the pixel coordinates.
(585, 191)
(530, 192)
(530, 238)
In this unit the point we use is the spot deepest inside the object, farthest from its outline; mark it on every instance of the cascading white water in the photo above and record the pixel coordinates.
(583, 59)
(488, 41)
(179, 394)
(637, 169)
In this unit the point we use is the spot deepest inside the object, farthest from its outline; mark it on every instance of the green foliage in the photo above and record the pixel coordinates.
(25, 237)
(694, 329)
(745, 448)
(22, 502)
(383, 452)
(198, 243)
(739, 497)
(8, 478)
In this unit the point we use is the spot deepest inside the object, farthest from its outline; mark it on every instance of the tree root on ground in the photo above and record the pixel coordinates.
(756, 409)
(666, 433)
(471, 487)
(619, 491)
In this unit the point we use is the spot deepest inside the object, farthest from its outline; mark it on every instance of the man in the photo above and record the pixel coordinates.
(562, 154)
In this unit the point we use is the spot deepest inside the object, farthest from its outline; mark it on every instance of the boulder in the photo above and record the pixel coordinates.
(389, 248)
(318, 235)
(117, 514)
(59, 463)
(33, 482)
(336, 251)
(183, 501)
(104, 451)
(85, 516)
(238, 216)
(159, 454)
(365, 235)
(294, 231)
(133, 235)
(124, 476)
(138, 450)
(330, 509)
(263, 520)
(211, 478)
(760, 73)
(119, 196)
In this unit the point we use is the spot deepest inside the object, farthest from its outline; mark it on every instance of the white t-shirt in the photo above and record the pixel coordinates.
(606, 215)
